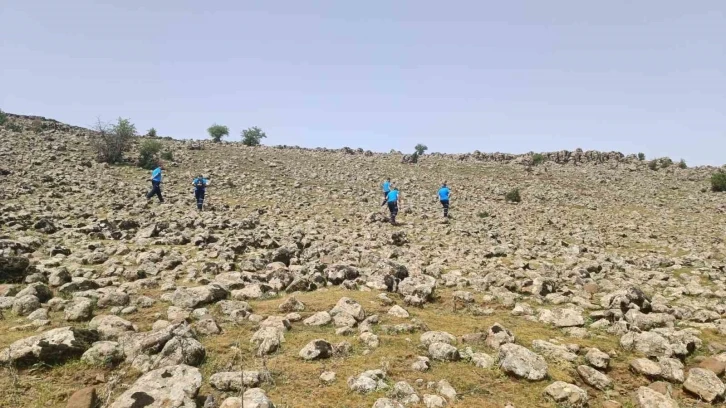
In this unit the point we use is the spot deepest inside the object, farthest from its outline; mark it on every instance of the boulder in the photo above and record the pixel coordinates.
(566, 395)
(594, 378)
(52, 346)
(110, 327)
(174, 386)
(83, 398)
(316, 350)
(102, 353)
(647, 398)
(13, 269)
(704, 384)
(443, 352)
(318, 319)
(235, 380)
(521, 362)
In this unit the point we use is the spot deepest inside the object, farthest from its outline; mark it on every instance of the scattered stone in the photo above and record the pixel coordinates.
(521, 362)
(175, 386)
(567, 395)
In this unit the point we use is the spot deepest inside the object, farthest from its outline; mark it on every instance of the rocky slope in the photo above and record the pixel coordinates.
(604, 287)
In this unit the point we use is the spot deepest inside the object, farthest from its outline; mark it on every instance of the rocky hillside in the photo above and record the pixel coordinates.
(603, 287)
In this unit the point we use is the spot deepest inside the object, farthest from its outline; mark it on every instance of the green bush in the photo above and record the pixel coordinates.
(718, 182)
(420, 149)
(641, 156)
(3, 117)
(14, 127)
(252, 136)
(666, 162)
(167, 155)
(217, 132)
(151, 133)
(483, 214)
(513, 196)
(111, 141)
(149, 154)
(537, 159)
(653, 165)
(682, 164)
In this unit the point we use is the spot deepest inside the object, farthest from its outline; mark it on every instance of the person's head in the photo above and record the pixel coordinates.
(200, 177)
(161, 165)
(388, 179)
(443, 184)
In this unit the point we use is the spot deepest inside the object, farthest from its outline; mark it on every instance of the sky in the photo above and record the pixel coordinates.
(516, 76)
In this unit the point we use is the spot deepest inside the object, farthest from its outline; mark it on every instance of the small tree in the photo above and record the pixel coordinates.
(513, 196)
(149, 154)
(718, 182)
(682, 164)
(3, 117)
(537, 159)
(641, 156)
(653, 165)
(217, 132)
(420, 149)
(151, 133)
(252, 136)
(112, 141)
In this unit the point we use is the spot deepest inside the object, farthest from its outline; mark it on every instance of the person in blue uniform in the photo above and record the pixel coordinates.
(393, 199)
(386, 188)
(200, 186)
(444, 195)
(156, 184)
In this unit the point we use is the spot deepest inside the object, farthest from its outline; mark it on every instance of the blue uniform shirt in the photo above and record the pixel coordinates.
(444, 193)
(156, 175)
(393, 196)
(203, 181)
(386, 186)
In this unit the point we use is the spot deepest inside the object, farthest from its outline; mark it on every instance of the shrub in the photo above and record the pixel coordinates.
(482, 214)
(718, 182)
(149, 154)
(641, 156)
(167, 155)
(14, 127)
(252, 136)
(217, 132)
(682, 164)
(653, 165)
(537, 159)
(420, 149)
(151, 133)
(112, 141)
(666, 162)
(3, 117)
(513, 196)
(37, 126)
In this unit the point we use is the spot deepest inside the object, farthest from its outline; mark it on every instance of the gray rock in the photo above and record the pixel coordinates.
(180, 350)
(649, 343)
(646, 367)
(318, 319)
(268, 340)
(398, 311)
(597, 359)
(235, 380)
(386, 403)
(367, 382)
(79, 310)
(671, 370)
(25, 305)
(594, 378)
(198, 296)
(13, 268)
(553, 351)
(567, 395)
(103, 353)
(647, 398)
(498, 335)
(327, 377)
(434, 401)
(432, 337)
(175, 386)
(704, 383)
(349, 307)
(292, 305)
(316, 350)
(443, 352)
(52, 346)
(421, 364)
(521, 362)
(110, 327)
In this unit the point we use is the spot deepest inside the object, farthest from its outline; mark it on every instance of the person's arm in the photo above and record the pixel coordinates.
(207, 183)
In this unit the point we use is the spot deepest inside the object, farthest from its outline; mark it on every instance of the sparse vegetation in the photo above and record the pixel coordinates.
(537, 159)
(421, 149)
(13, 127)
(112, 141)
(37, 126)
(167, 155)
(483, 214)
(217, 132)
(653, 165)
(252, 136)
(682, 164)
(641, 156)
(149, 154)
(151, 133)
(666, 162)
(513, 196)
(3, 117)
(718, 182)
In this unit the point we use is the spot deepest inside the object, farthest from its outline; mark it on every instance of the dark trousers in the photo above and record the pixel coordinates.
(445, 204)
(393, 208)
(199, 194)
(385, 197)
(155, 191)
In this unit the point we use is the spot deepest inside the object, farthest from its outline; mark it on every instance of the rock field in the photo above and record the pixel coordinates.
(604, 287)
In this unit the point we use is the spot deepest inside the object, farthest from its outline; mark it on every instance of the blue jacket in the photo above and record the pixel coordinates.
(444, 193)
(203, 182)
(392, 196)
(156, 175)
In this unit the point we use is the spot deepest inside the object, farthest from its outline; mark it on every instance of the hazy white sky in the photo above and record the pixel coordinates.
(457, 76)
